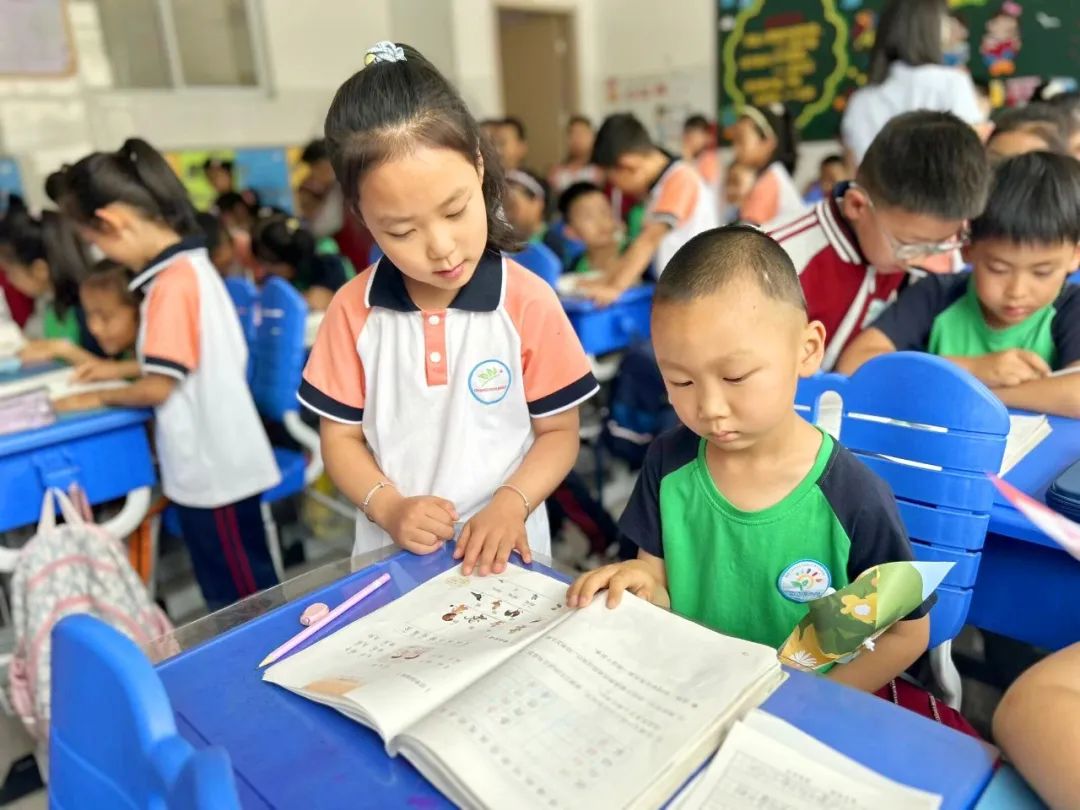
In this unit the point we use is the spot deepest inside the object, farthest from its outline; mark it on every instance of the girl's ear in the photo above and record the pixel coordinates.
(112, 218)
(480, 166)
(39, 269)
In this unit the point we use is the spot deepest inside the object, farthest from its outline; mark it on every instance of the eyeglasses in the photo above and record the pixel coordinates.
(905, 252)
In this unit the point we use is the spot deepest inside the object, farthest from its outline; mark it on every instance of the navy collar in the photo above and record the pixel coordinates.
(161, 261)
(482, 293)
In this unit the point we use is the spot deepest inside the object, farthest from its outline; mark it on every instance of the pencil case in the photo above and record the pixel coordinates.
(1064, 494)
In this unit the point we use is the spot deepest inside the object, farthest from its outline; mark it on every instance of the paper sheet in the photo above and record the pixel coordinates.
(756, 771)
(58, 382)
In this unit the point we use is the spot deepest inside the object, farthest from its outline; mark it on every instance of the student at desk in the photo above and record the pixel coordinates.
(1013, 320)
(448, 377)
(214, 456)
(748, 511)
(44, 260)
(679, 203)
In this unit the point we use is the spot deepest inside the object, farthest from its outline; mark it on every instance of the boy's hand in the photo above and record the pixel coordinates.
(97, 371)
(41, 351)
(633, 576)
(89, 401)
(493, 533)
(603, 295)
(420, 524)
(1008, 368)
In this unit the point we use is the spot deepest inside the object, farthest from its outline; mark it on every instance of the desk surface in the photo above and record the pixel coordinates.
(1033, 476)
(289, 752)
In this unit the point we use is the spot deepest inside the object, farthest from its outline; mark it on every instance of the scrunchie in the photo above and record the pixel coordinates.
(384, 51)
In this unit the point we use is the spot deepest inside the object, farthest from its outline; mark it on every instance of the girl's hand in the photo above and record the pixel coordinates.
(89, 401)
(633, 575)
(494, 532)
(420, 524)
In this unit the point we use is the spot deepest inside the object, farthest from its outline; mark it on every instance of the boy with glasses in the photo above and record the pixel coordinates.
(1013, 321)
(924, 176)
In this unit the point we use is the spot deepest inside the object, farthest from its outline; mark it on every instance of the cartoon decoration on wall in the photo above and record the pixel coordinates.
(1001, 41)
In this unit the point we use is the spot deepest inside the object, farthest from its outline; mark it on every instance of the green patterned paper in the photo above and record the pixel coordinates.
(840, 624)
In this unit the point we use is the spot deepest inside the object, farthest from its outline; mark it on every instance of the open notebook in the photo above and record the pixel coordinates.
(503, 697)
(768, 763)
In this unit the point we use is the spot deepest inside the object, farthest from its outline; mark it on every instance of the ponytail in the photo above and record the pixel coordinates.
(282, 239)
(136, 174)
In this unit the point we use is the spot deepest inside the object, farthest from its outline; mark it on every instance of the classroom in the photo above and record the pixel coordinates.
(539, 404)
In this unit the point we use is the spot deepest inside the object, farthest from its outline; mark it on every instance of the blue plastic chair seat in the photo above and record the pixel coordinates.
(292, 464)
(610, 329)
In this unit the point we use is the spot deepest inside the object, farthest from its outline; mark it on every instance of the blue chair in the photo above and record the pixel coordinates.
(279, 356)
(932, 431)
(542, 260)
(112, 736)
(245, 297)
(572, 248)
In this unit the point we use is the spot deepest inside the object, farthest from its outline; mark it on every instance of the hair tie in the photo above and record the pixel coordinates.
(384, 51)
(526, 182)
(759, 119)
(292, 224)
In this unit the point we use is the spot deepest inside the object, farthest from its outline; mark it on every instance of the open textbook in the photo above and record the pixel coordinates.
(768, 764)
(503, 697)
(57, 381)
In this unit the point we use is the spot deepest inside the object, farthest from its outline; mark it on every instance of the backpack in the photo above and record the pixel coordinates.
(76, 567)
(639, 410)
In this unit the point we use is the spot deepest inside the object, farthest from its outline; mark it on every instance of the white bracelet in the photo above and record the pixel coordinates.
(371, 494)
(524, 497)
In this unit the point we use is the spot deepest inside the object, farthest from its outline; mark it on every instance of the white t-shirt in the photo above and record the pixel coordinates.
(907, 88)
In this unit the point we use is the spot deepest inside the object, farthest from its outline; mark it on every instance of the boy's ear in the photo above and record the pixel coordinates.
(968, 253)
(812, 350)
(39, 269)
(855, 205)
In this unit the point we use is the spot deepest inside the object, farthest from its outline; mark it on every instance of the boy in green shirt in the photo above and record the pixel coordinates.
(745, 512)
(1013, 321)
(586, 211)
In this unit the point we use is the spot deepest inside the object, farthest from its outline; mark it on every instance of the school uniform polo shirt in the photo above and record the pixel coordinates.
(211, 445)
(942, 315)
(750, 574)
(680, 199)
(446, 398)
(842, 290)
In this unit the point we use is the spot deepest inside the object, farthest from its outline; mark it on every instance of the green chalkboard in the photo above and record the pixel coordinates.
(812, 54)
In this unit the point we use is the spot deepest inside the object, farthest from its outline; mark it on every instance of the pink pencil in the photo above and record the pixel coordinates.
(307, 633)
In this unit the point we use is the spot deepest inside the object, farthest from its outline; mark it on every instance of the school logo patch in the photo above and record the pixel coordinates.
(489, 381)
(804, 581)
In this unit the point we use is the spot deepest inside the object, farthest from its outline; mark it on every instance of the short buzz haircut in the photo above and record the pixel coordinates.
(695, 121)
(573, 194)
(1034, 200)
(715, 258)
(928, 163)
(619, 135)
(830, 159)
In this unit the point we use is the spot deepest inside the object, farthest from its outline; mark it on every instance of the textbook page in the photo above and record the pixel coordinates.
(389, 668)
(612, 708)
(764, 766)
(58, 382)
(1025, 434)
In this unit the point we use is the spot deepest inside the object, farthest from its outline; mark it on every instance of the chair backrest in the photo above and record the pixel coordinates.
(279, 349)
(932, 431)
(113, 739)
(542, 260)
(245, 297)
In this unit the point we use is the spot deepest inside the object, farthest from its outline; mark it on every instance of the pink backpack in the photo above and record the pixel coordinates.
(76, 567)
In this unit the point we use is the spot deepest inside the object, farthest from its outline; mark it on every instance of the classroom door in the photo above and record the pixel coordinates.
(539, 79)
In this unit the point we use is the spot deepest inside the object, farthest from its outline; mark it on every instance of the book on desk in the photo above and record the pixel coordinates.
(503, 697)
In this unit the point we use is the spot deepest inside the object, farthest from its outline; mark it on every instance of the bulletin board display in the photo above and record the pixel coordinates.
(812, 54)
(268, 171)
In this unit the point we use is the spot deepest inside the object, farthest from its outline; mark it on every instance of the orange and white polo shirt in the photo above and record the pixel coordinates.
(211, 445)
(681, 199)
(447, 398)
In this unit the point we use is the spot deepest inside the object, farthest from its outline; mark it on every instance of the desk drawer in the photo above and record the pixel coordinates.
(108, 465)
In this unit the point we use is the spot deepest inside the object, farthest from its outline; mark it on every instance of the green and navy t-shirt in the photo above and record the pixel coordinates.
(750, 574)
(942, 315)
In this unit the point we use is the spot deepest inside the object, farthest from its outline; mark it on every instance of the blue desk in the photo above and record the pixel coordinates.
(1026, 583)
(609, 329)
(289, 752)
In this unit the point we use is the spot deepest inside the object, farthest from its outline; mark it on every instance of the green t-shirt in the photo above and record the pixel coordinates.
(749, 574)
(941, 314)
(67, 328)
